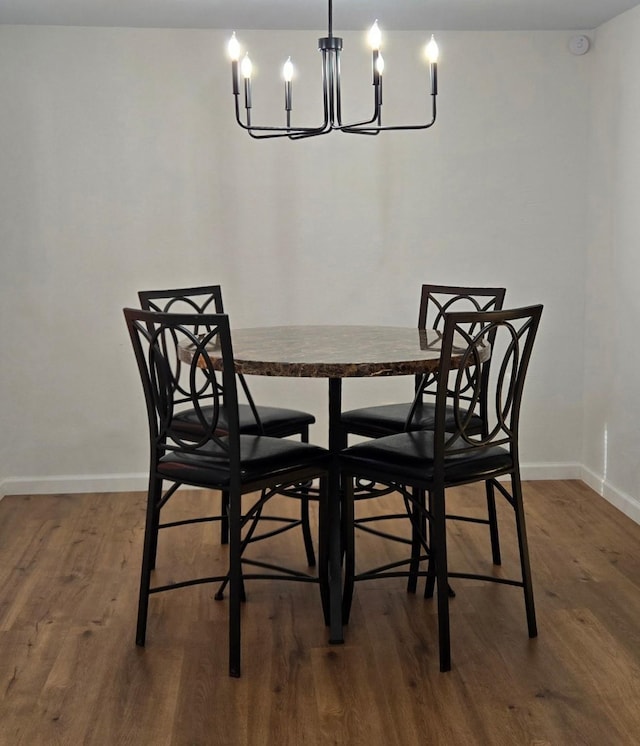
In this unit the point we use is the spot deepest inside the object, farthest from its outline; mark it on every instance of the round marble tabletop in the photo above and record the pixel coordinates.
(334, 351)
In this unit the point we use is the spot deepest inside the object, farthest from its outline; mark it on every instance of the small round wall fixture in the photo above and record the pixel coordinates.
(579, 44)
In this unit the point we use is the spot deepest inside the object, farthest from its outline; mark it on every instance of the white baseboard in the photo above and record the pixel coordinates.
(71, 484)
(629, 505)
(79, 483)
(550, 470)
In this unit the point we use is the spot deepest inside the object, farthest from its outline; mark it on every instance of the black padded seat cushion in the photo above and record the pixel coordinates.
(388, 419)
(261, 457)
(275, 420)
(411, 455)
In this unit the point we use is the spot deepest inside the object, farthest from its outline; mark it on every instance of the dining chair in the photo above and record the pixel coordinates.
(419, 413)
(170, 350)
(453, 453)
(254, 419)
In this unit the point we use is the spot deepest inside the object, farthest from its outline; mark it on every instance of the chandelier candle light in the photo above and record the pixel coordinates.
(330, 46)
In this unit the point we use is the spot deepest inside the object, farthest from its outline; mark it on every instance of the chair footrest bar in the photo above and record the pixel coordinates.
(187, 583)
(382, 569)
(377, 518)
(187, 521)
(398, 574)
(289, 524)
(272, 576)
(467, 518)
(381, 534)
(287, 572)
(488, 578)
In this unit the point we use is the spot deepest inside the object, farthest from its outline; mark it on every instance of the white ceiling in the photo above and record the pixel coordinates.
(312, 14)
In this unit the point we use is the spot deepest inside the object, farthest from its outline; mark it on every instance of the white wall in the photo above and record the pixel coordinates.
(612, 359)
(121, 168)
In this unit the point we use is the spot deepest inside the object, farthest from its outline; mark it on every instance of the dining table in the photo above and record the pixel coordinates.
(336, 352)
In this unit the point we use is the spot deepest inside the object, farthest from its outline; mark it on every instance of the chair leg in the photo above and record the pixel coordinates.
(304, 515)
(336, 633)
(329, 573)
(430, 585)
(439, 552)
(493, 522)
(306, 531)
(155, 496)
(418, 532)
(523, 548)
(244, 542)
(224, 518)
(148, 556)
(348, 545)
(235, 582)
(323, 552)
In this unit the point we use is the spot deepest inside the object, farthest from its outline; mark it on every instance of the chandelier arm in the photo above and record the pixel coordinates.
(303, 135)
(377, 112)
(358, 129)
(276, 131)
(355, 125)
(260, 132)
(265, 135)
(269, 132)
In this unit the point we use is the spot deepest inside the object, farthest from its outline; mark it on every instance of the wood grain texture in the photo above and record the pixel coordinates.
(70, 673)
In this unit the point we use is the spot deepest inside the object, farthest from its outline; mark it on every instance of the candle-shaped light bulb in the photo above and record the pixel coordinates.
(287, 70)
(287, 74)
(234, 48)
(432, 51)
(375, 36)
(246, 67)
(380, 64)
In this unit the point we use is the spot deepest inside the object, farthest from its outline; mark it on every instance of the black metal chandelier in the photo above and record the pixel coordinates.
(330, 46)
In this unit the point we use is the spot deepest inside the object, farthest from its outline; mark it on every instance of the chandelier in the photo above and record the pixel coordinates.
(330, 46)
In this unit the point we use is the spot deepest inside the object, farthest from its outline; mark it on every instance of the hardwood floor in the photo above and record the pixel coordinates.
(71, 674)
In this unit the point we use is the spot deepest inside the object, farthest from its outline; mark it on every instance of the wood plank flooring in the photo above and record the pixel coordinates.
(70, 673)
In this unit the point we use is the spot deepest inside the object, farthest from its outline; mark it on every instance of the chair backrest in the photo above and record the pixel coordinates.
(203, 299)
(435, 302)
(496, 389)
(174, 367)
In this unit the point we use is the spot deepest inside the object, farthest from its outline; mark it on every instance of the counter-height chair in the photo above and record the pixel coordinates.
(419, 414)
(170, 350)
(254, 419)
(453, 453)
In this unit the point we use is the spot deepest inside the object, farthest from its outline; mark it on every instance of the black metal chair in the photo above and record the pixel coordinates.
(254, 419)
(452, 453)
(419, 414)
(170, 350)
